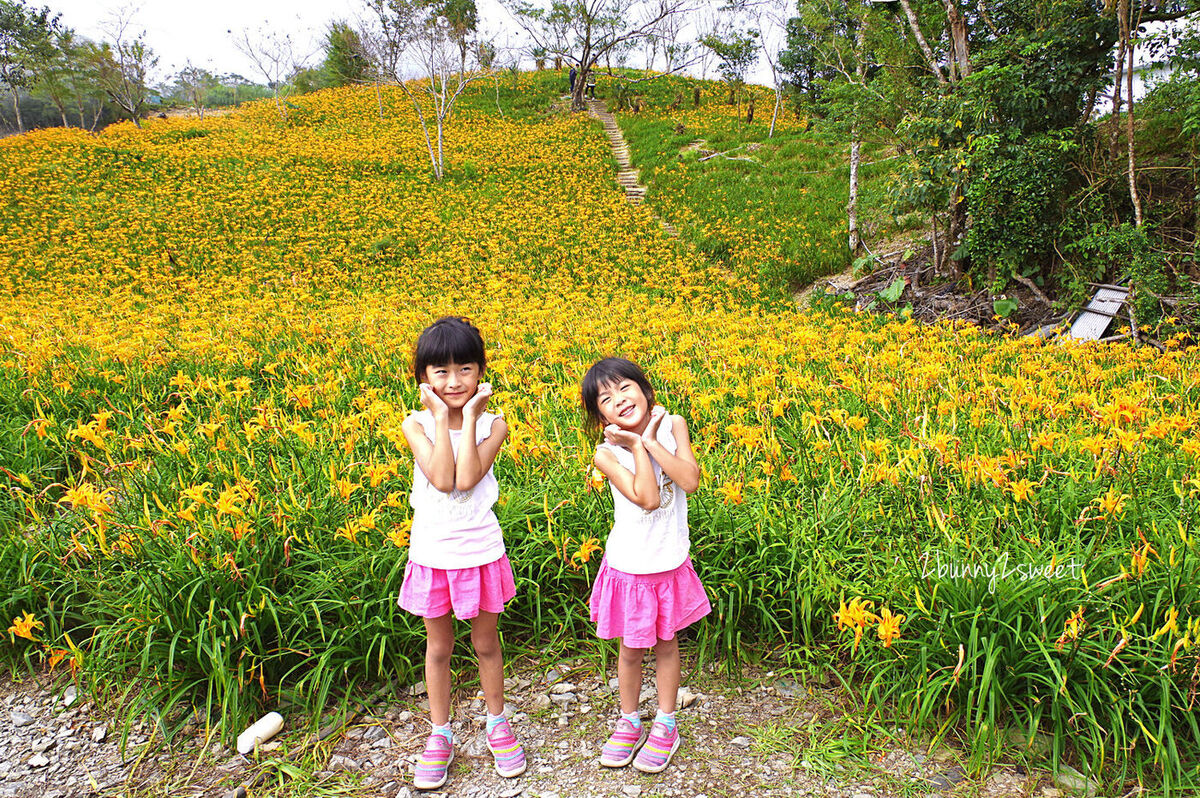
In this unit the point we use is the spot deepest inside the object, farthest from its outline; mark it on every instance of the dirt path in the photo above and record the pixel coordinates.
(760, 734)
(627, 176)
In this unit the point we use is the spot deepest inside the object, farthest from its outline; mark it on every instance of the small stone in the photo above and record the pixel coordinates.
(512, 792)
(1071, 779)
(553, 675)
(541, 702)
(374, 733)
(20, 719)
(43, 745)
(562, 687)
(787, 688)
(344, 763)
(741, 742)
(417, 689)
(562, 720)
(632, 790)
(266, 748)
(563, 698)
(646, 695)
(38, 761)
(942, 755)
(686, 699)
(585, 709)
(1050, 792)
(946, 779)
(70, 696)
(404, 717)
(614, 683)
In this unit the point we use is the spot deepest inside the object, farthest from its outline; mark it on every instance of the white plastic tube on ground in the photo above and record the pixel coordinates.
(259, 732)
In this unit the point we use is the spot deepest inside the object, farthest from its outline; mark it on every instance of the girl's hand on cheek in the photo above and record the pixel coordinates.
(619, 437)
(478, 403)
(650, 434)
(432, 401)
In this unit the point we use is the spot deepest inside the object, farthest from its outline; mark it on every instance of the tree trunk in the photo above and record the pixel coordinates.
(854, 242)
(956, 226)
(958, 35)
(17, 109)
(860, 73)
(775, 113)
(1133, 189)
(1089, 106)
(915, 27)
(1118, 74)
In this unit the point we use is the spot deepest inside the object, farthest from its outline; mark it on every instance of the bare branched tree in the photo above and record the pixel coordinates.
(123, 63)
(274, 56)
(586, 32)
(413, 35)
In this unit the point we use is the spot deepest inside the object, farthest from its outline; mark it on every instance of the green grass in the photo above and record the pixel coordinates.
(781, 214)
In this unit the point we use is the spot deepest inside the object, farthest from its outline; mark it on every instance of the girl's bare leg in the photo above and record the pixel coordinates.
(439, 645)
(486, 640)
(629, 677)
(666, 673)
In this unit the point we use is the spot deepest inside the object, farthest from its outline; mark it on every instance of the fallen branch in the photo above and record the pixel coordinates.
(1032, 286)
(725, 155)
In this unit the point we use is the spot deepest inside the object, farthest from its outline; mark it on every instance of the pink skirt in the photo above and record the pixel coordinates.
(433, 592)
(642, 609)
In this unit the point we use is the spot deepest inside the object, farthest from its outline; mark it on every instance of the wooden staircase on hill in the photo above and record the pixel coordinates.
(627, 176)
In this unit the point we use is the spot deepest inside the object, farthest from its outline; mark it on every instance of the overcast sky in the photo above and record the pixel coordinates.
(180, 31)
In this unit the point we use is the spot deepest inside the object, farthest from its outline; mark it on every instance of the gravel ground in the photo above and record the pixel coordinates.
(760, 734)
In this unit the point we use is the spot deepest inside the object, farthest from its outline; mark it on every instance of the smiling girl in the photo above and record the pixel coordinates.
(646, 589)
(456, 560)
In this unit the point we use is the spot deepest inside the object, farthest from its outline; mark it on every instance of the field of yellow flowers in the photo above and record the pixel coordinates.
(205, 328)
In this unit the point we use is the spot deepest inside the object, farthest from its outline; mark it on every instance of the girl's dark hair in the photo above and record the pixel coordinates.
(608, 371)
(448, 340)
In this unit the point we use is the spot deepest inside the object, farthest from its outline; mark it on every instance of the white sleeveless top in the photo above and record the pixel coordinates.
(651, 542)
(456, 529)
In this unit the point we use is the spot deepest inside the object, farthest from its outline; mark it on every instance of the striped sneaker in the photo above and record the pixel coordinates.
(434, 765)
(660, 746)
(508, 753)
(621, 747)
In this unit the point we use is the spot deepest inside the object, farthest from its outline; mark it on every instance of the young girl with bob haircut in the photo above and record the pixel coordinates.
(646, 589)
(456, 560)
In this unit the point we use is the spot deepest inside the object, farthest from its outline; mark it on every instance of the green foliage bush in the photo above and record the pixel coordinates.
(1014, 197)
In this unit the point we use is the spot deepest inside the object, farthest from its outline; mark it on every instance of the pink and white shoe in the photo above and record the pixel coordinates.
(508, 753)
(433, 768)
(622, 745)
(660, 746)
